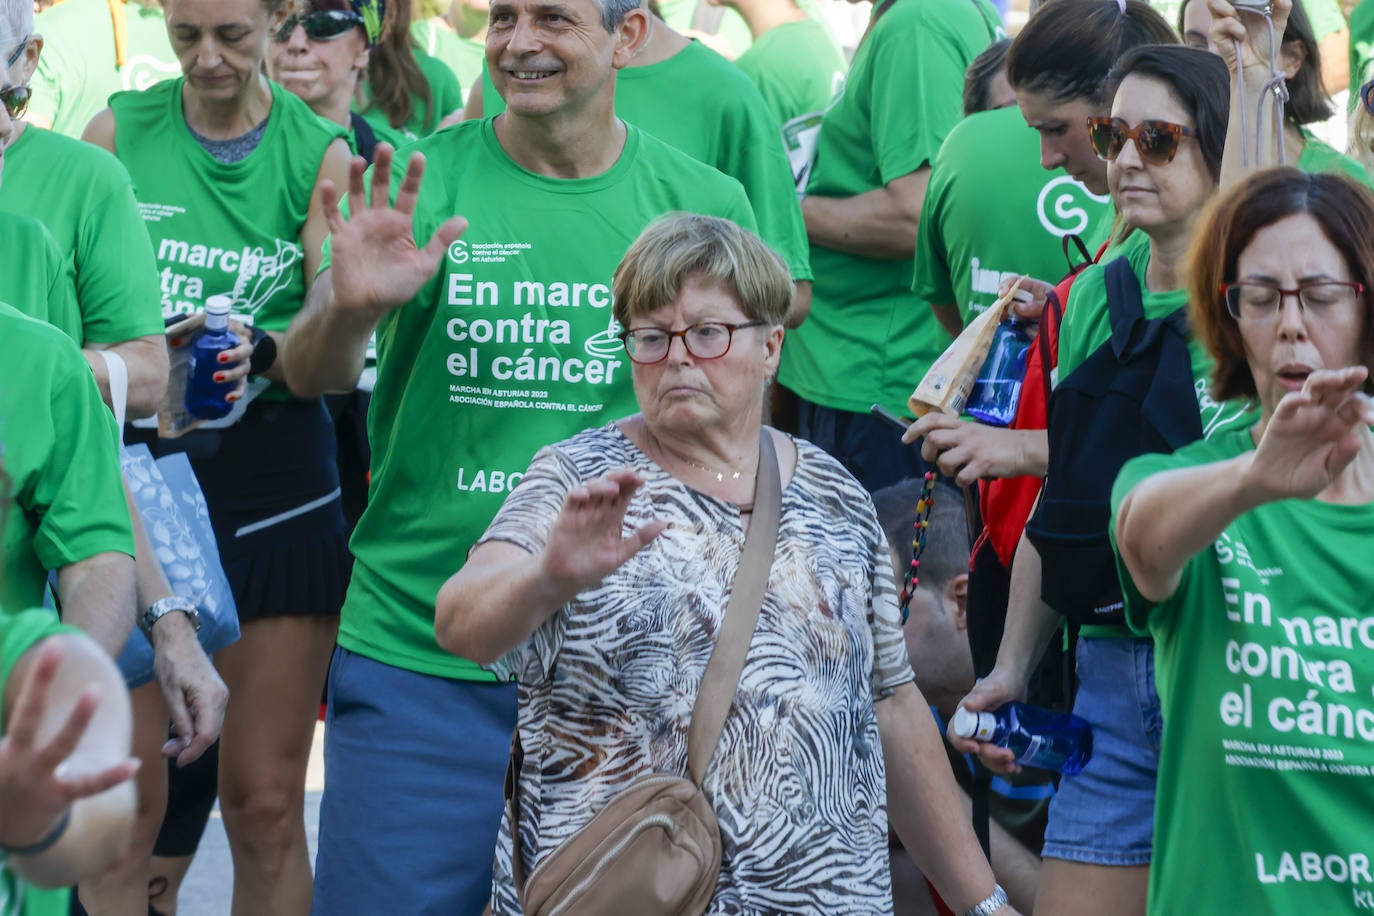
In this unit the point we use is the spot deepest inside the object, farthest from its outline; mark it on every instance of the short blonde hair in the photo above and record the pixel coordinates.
(1362, 136)
(712, 250)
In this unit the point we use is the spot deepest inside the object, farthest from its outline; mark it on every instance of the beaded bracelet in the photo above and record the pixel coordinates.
(43, 845)
(920, 533)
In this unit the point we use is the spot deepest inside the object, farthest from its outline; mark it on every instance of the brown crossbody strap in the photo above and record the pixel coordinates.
(722, 675)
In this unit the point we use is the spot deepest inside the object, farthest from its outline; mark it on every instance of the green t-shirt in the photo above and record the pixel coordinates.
(1262, 658)
(975, 232)
(45, 288)
(445, 94)
(19, 633)
(93, 216)
(729, 128)
(797, 66)
(1361, 48)
(1087, 326)
(61, 454)
(509, 347)
(1318, 156)
(461, 55)
(78, 70)
(868, 339)
(224, 228)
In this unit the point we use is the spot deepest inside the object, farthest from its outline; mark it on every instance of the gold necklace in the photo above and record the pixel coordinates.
(719, 475)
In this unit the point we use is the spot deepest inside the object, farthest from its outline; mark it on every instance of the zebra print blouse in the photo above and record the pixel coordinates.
(607, 683)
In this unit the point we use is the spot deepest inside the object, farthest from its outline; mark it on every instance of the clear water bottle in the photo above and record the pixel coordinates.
(204, 395)
(997, 390)
(1038, 737)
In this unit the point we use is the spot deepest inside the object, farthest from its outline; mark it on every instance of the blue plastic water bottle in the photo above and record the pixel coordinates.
(997, 391)
(204, 395)
(1038, 737)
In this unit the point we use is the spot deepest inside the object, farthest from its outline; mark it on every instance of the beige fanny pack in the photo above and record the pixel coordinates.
(655, 848)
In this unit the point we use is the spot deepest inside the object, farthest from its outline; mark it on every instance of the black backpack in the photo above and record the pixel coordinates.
(1132, 396)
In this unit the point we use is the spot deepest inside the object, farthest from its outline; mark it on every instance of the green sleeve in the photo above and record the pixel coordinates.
(80, 495)
(933, 282)
(1138, 607)
(64, 313)
(18, 633)
(116, 270)
(911, 116)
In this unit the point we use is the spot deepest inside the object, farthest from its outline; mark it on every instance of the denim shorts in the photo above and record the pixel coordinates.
(414, 767)
(1105, 814)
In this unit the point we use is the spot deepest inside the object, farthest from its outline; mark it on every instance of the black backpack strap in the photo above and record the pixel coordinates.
(1123, 305)
(364, 137)
(1077, 241)
(1054, 310)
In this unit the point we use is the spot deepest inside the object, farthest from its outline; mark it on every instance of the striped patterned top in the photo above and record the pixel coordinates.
(607, 684)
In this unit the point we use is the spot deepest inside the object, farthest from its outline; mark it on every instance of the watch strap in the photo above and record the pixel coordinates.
(990, 904)
(164, 606)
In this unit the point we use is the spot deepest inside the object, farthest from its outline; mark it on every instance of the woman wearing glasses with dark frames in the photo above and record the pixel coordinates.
(1162, 141)
(1248, 558)
(226, 165)
(601, 586)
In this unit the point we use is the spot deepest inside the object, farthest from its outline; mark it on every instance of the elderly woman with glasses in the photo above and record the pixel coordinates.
(601, 588)
(1247, 558)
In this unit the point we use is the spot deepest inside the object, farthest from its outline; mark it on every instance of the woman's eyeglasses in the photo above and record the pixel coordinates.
(1254, 300)
(706, 340)
(1367, 97)
(1156, 141)
(321, 25)
(16, 100)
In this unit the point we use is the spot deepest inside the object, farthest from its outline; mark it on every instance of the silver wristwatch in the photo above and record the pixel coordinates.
(994, 902)
(164, 606)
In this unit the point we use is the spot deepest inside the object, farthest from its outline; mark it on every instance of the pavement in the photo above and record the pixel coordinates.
(208, 884)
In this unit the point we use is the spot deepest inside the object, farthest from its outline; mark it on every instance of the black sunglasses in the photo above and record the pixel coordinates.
(321, 25)
(1367, 97)
(16, 100)
(1156, 141)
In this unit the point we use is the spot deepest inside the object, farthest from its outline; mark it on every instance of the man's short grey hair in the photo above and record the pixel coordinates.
(613, 12)
(16, 23)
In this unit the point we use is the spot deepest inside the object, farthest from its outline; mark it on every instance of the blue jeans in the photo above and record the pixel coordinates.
(1105, 814)
(414, 768)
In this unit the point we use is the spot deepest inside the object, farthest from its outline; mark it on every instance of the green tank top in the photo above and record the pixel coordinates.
(217, 228)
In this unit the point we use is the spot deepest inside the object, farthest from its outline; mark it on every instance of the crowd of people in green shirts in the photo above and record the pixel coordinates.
(158, 153)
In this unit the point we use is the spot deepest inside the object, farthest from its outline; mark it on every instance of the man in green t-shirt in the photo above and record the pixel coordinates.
(84, 62)
(66, 800)
(868, 340)
(728, 128)
(489, 346)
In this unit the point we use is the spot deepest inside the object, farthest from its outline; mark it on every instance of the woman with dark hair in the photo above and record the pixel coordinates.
(1058, 66)
(1246, 557)
(985, 81)
(1300, 60)
(1162, 144)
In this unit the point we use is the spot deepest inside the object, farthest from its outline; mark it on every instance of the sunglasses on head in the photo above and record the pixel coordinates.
(16, 100)
(321, 25)
(1367, 97)
(1156, 141)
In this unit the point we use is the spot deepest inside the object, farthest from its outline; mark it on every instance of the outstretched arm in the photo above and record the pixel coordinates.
(1313, 436)
(502, 594)
(376, 266)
